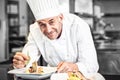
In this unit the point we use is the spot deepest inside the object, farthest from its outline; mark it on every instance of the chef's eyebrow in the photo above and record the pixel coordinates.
(40, 22)
(51, 20)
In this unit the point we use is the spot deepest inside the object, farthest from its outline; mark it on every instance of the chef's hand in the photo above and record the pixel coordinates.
(19, 60)
(66, 67)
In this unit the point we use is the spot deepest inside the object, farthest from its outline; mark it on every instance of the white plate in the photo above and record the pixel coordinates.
(48, 71)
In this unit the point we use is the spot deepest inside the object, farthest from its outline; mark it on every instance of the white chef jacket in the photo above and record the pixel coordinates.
(74, 45)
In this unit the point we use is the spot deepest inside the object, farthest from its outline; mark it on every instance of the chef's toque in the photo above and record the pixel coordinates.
(44, 8)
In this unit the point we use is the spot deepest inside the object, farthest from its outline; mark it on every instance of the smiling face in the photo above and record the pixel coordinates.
(51, 27)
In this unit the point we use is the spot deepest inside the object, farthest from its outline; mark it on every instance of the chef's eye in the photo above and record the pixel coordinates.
(51, 22)
(42, 25)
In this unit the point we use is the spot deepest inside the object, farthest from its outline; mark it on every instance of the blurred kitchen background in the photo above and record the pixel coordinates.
(103, 16)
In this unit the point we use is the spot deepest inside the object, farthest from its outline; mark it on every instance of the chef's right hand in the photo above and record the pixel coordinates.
(19, 60)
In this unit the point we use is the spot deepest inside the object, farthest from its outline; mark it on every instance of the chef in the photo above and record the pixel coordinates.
(64, 40)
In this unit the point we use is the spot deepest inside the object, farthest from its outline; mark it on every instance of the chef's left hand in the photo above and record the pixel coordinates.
(66, 67)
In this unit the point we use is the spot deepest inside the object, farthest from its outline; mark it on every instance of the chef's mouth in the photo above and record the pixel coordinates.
(50, 35)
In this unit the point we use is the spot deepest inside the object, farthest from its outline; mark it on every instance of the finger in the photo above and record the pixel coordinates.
(64, 70)
(68, 69)
(61, 68)
(23, 55)
(18, 64)
(14, 60)
(59, 65)
(18, 58)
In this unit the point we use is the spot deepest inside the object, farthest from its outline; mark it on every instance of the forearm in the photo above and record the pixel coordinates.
(87, 68)
(87, 58)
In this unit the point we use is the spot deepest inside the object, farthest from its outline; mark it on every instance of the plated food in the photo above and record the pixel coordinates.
(75, 76)
(34, 68)
(34, 72)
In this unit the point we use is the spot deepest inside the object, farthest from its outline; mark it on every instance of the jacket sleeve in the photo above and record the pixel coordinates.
(87, 58)
(31, 48)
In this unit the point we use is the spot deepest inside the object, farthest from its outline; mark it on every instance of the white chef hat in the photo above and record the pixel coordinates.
(44, 8)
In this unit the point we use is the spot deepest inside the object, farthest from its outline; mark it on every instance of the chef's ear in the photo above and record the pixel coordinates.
(60, 16)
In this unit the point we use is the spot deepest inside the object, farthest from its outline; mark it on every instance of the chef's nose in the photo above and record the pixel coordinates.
(49, 28)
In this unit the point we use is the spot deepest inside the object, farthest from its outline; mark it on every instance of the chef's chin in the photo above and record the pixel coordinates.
(52, 37)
